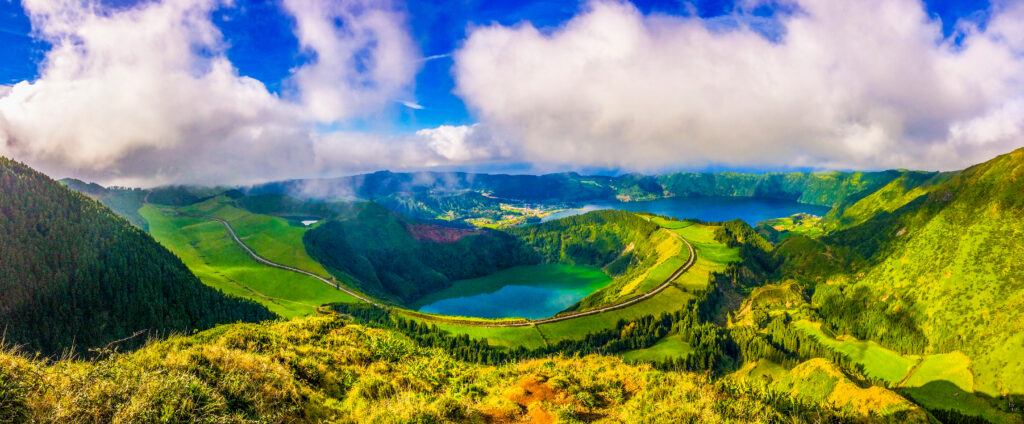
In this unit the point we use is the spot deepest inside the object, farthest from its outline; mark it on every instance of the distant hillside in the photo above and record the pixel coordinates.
(123, 201)
(929, 263)
(72, 273)
(819, 188)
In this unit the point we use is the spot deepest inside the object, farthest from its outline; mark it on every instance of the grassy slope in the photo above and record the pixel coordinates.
(878, 361)
(213, 256)
(269, 236)
(322, 369)
(959, 263)
(671, 346)
(944, 247)
(936, 381)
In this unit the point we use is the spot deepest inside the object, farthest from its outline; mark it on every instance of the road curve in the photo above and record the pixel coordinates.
(521, 323)
(268, 262)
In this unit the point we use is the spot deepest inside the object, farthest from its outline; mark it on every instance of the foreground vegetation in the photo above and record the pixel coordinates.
(323, 369)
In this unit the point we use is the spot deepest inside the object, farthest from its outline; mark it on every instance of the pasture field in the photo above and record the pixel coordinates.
(671, 346)
(878, 361)
(509, 337)
(207, 249)
(670, 224)
(269, 236)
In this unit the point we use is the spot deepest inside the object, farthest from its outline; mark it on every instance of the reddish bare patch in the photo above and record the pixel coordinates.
(437, 233)
(527, 395)
(538, 415)
(531, 389)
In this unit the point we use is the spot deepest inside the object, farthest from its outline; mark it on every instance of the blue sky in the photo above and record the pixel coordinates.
(262, 44)
(601, 86)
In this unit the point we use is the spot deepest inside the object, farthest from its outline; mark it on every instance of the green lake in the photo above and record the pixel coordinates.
(535, 291)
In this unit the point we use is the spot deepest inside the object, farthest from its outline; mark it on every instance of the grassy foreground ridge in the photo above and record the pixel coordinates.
(323, 369)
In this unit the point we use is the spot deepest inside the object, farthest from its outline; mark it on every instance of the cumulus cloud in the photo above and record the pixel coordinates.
(146, 95)
(359, 66)
(866, 84)
(466, 143)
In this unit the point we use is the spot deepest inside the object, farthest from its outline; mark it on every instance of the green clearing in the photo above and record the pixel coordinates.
(878, 361)
(207, 249)
(952, 367)
(510, 337)
(671, 346)
(939, 381)
(763, 370)
(670, 224)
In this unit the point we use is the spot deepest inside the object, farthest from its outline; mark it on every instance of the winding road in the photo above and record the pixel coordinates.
(520, 323)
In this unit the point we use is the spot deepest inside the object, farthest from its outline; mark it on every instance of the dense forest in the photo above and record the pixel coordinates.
(75, 275)
(124, 201)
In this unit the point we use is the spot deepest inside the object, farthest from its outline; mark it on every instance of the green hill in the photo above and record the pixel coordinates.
(74, 274)
(930, 263)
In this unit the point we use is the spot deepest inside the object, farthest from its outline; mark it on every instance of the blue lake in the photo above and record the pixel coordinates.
(748, 209)
(535, 291)
(542, 291)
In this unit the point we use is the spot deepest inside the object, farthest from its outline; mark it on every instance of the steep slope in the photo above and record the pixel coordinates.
(72, 273)
(123, 201)
(937, 268)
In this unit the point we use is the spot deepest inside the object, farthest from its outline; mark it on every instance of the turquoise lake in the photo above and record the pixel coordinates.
(542, 291)
(537, 291)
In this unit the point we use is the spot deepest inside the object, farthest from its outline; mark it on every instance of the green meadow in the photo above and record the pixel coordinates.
(671, 346)
(272, 237)
(207, 249)
(878, 361)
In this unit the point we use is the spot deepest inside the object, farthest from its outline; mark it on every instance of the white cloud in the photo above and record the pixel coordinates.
(864, 84)
(463, 144)
(361, 65)
(146, 95)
